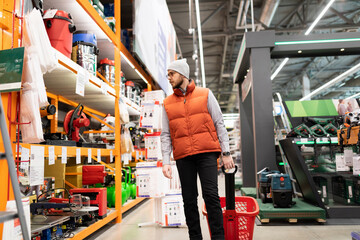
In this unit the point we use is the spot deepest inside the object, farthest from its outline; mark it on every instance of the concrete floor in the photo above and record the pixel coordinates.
(129, 230)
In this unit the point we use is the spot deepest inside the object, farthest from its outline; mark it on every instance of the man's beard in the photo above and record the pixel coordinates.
(179, 84)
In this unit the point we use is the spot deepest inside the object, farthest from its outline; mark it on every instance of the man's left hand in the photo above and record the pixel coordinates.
(228, 162)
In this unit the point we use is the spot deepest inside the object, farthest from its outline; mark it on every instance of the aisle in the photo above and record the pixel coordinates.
(129, 230)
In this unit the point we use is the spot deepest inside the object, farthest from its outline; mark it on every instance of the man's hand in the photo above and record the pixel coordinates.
(166, 169)
(227, 161)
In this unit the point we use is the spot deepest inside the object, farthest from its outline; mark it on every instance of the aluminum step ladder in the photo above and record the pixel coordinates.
(8, 155)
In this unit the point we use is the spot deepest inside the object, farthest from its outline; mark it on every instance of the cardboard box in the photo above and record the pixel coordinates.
(56, 170)
(74, 179)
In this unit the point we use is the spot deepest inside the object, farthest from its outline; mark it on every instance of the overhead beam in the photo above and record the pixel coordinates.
(290, 14)
(213, 13)
(342, 16)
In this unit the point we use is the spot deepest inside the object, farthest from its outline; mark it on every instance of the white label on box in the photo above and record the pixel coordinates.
(78, 156)
(99, 155)
(173, 212)
(25, 158)
(348, 155)
(50, 13)
(111, 157)
(89, 155)
(63, 155)
(340, 163)
(356, 165)
(51, 150)
(143, 182)
(37, 165)
(104, 88)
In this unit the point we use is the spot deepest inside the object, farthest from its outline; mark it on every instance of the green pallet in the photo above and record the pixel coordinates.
(301, 210)
(248, 191)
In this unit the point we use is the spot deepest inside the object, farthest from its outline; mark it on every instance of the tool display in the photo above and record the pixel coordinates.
(97, 198)
(60, 27)
(107, 69)
(264, 187)
(281, 190)
(74, 120)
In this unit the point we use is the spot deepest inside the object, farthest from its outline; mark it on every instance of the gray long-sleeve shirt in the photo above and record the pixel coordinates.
(216, 115)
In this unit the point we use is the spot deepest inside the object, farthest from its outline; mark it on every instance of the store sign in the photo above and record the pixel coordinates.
(11, 67)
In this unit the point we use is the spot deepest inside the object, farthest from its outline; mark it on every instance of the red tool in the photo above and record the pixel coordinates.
(98, 197)
(60, 28)
(93, 174)
(74, 120)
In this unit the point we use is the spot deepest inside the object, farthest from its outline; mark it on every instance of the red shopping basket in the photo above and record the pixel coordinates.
(238, 212)
(238, 223)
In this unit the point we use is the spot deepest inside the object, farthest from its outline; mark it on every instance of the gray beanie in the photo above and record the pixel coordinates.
(180, 66)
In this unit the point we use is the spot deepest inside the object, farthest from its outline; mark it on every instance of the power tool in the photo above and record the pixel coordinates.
(74, 120)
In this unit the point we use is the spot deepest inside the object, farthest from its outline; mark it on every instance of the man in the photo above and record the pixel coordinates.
(193, 128)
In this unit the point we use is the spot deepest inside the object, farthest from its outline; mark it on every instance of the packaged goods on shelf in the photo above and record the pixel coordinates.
(85, 51)
(126, 142)
(153, 146)
(60, 27)
(340, 163)
(156, 96)
(150, 180)
(170, 210)
(150, 116)
(98, 4)
(109, 9)
(107, 69)
(35, 36)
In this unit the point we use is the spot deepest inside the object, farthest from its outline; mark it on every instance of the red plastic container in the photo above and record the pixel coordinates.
(60, 28)
(239, 223)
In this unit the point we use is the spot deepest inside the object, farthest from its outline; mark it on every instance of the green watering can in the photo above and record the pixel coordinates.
(132, 185)
(125, 185)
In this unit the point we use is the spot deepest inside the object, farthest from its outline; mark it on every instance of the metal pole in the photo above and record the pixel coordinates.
(200, 43)
(12, 173)
(252, 16)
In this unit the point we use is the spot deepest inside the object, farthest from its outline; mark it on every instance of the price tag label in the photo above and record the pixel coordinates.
(63, 155)
(99, 155)
(111, 157)
(51, 155)
(25, 157)
(89, 155)
(78, 156)
(104, 88)
(81, 80)
(50, 14)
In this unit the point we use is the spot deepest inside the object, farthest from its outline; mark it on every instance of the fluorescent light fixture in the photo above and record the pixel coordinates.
(319, 17)
(332, 82)
(198, 22)
(343, 49)
(142, 77)
(279, 69)
(127, 60)
(318, 41)
(353, 96)
(299, 51)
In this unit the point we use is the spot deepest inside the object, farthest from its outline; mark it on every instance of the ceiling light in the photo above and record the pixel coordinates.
(353, 96)
(343, 49)
(127, 60)
(319, 17)
(318, 41)
(142, 77)
(279, 69)
(332, 82)
(299, 51)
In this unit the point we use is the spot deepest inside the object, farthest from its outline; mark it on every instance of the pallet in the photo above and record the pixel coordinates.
(301, 210)
(290, 220)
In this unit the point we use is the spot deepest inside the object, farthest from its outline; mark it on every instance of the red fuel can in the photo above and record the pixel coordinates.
(59, 27)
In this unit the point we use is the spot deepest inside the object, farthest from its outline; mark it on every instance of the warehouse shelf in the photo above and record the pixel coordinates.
(98, 95)
(85, 17)
(71, 151)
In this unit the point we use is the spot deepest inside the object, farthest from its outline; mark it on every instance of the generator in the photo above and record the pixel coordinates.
(281, 190)
(264, 185)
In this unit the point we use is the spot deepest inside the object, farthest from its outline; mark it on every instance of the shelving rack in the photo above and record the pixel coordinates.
(61, 82)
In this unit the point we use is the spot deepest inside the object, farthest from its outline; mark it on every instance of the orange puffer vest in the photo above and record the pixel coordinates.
(192, 129)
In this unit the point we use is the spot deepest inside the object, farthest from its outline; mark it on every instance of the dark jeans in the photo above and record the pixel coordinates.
(205, 165)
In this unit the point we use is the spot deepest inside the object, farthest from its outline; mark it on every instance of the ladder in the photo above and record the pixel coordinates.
(9, 215)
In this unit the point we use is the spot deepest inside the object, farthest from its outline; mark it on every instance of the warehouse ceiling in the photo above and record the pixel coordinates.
(223, 26)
